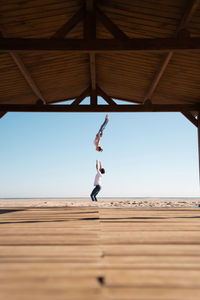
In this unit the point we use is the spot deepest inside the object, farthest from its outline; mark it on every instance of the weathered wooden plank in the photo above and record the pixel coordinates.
(152, 262)
(147, 278)
(38, 251)
(160, 250)
(50, 292)
(56, 239)
(151, 293)
(169, 237)
(157, 264)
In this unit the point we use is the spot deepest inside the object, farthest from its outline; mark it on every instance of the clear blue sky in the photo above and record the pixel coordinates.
(52, 155)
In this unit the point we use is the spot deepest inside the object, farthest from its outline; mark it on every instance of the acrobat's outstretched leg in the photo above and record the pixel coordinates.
(103, 126)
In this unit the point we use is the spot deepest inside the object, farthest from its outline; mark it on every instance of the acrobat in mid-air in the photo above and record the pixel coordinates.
(97, 181)
(99, 134)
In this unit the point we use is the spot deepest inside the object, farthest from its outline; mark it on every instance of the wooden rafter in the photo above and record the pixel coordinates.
(24, 71)
(60, 33)
(69, 25)
(191, 118)
(189, 12)
(2, 113)
(93, 70)
(183, 23)
(83, 95)
(110, 26)
(126, 100)
(100, 45)
(100, 108)
(158, 76)
(107, 98)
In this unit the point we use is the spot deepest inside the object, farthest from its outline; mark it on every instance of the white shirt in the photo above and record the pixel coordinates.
(97, 179)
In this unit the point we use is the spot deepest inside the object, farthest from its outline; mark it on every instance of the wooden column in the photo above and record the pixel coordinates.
(199, 143)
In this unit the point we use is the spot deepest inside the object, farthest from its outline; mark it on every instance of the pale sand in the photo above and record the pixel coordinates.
(104, 203)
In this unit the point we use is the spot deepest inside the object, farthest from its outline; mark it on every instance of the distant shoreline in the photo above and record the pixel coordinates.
(107, 202)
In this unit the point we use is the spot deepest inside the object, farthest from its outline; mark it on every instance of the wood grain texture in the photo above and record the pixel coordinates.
(94, 253)
(64, 75)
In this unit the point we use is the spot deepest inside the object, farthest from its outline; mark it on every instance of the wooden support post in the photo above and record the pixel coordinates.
(199, 143)
(93, 97)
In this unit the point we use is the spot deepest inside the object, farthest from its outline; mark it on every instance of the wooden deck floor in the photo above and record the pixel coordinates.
(91, 253)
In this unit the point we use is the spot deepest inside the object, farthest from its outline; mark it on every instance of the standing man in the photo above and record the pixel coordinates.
(97, 181)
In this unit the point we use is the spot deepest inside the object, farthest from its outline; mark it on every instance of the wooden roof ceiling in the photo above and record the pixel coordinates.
(168, 76)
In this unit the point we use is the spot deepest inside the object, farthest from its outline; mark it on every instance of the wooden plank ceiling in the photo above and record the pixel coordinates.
(163, 77)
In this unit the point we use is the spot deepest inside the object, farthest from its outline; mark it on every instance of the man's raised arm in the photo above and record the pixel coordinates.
(97, 165)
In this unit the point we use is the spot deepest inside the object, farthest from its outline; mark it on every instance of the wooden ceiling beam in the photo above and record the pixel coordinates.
(24, 71)
(80, 98)
(92, 58)
(69, 25)
(158, 76)
(100, 108)
(191, 118)
(107, 98)
(99, 45)
(89, 21)
(90, 35)
(192, 6)
(93, 98)
(189, 12)
(110, 26)
(2, 113)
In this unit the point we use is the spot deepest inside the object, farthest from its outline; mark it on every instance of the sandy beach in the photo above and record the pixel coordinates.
(103, 202)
